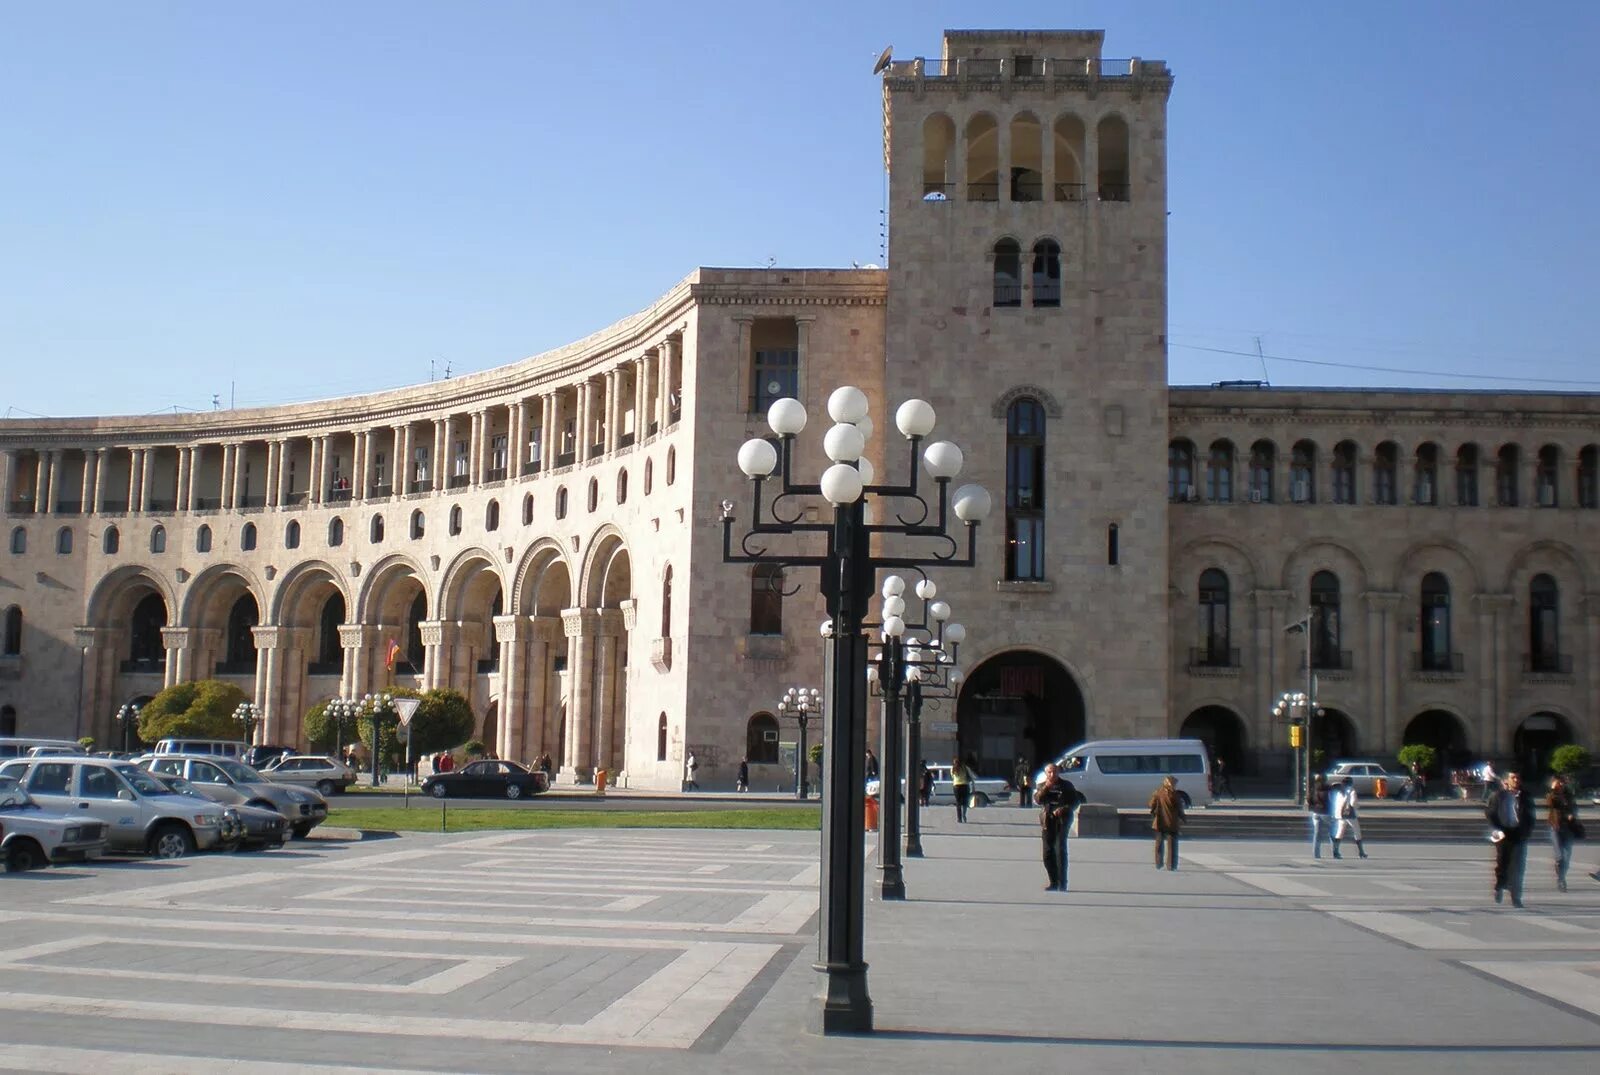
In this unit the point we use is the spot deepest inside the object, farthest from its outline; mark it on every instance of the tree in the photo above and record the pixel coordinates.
(443, 721)
(1569, 759)
(200, 710)
(323, 736)
(86, 744)
(1419, 754)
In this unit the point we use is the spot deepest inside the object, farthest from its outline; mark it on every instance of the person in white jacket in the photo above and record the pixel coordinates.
(1346, 818)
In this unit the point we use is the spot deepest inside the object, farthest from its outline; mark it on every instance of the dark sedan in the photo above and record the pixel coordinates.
(487, 780)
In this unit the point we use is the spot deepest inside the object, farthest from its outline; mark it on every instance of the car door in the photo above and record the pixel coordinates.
(100, 796)
(50, 784)
(476, 779)
(203, 772)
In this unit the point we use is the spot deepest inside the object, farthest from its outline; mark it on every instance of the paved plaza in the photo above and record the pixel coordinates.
(567, 950)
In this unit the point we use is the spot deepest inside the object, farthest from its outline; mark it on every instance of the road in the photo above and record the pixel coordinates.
(574, 800)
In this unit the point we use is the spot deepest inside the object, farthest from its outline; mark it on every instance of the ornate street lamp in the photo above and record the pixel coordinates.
(378, 708)
(847, 567)
(343, 712)
(247, 715)
(127, 719)
(800, 703)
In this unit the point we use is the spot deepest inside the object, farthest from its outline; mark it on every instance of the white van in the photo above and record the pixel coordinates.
(1126, 772)
(22, 747)
(227, 748)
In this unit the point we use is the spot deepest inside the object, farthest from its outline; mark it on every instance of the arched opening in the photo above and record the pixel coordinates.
(1467, 476)
(490, 732)
(147, 652)
(1440, 730)
(594, 493)
(1546, 477)
(666, 602)
(649, 476)
(202, 539)
(1046, 273)
(1505, 476)
(672, 465)
(1535, 740)
(1385, 465)
(622, 486)
(527, 509)
(419, 525)
(761, 740)
(1263, 458)
(158, 540)
(1344, 472)
(983, 159)
(1544, 626)
(19, 541)
(1027, 157)
(491, 516)
(247, 537)
(1114, 178)
(335, 532)
(1068, 144)
(1007, 257)
(330, 653)
(1223, 733)
(1180, 470)
(1215, 605)
(416, 654)
(1018, 703)
(291, 534)
(453, 527)
(1425, 490)
(1589, 477)
(938, 154)
(561, 502)
(661, 738)
(1326, 629)
(1333, 736)
(375, 532)
(64, 541)
(239, 643)
(1303, 473)
(112, 542)
(1435, 654)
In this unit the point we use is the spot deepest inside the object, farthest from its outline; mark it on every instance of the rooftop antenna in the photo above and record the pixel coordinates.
(883, 60)
(1265, 377)
(216, 401)
(771, 261)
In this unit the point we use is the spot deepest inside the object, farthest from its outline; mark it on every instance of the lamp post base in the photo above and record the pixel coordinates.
(846, 1007)
(894, 883)
(913, 847)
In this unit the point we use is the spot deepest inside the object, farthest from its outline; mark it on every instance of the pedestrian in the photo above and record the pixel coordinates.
(1561, 812)
(1491, 785)
(1020, 780)
(872, 765)
(961, 786)
(1056, 799)
(1419, 783)
(692, 765)
(925, 783)
(744, 775)
(447, 762)
(1510, 811)
(1347, 819)
(1317, 809)
(1222, 780)
(1166, 818)
(549, 765)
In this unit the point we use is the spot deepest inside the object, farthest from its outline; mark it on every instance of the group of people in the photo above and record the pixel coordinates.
(1514, 817)
(1335, 815)
(1058, 800)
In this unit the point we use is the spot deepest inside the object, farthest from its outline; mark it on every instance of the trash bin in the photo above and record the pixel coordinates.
(600, 781)
(1380, 787)
(872, 813)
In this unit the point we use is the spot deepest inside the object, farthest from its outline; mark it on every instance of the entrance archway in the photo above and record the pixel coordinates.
(1223, 734)
(491, 728)
(1335, 736)
(1018, 703)
(1536, 738)
(1444, 733)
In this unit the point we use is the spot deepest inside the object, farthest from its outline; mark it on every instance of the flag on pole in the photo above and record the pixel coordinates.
(394, 652)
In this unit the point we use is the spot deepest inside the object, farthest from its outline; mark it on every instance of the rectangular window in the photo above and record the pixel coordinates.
(1025, 542)
(377, 468)
(774, 362)
(459, 460)
(498, 452)
(419, 464)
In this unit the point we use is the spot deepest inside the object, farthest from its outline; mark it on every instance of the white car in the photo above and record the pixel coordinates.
(985, 789)
(1366, 775)
(140, 814)
(31, 838)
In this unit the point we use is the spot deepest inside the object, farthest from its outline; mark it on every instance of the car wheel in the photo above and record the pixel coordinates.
(24, 855)
(326, 788)
(980, 799)
(438, 791)
(513, 791)
(302, 831)
(1183, 797)
(172, 841)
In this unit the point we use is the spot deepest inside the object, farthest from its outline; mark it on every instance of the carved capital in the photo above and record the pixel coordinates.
(511, 629)
(270, 637)
(356, 635)
(176, 637)
(579, 621)
(432, 632)
(630, 613)
(90, 637)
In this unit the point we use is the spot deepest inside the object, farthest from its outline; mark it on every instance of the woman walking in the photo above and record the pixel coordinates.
(1347, 821)
(1166, 818)
(1561, 812)
(961, 784)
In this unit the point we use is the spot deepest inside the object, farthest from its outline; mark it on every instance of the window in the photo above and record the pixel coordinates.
(1214, 603)
(1344, 473)
(775, 368)
(291, 534)
(527, 509)
(240, 642)
(561, 502)
(1180, 471)
(666, 603)
(50, 778)
(1325, 621)
(8, 720)
(649, 476)
(1589, 477)
(594, 493)
(247, 537)
(1385, 462)
(1263, 457)
(491, 516)
(97, 782)
(335, 532)
(1303, 473)
(1046, 273)
(202, 539)
(761, 740)
(1549, 465)
(1219, 473)
(661, 738)
(454, 525)
(1025, 498)
(672, 465)
(378, 471)
(1435, 652)
(1425, 490)
(19, 541)
(1544, 650)
(330, 653)
(622, 487)
(1113, 545)
(419, 465)
(1007, 273)
(499, 453)
(147, 651)
(1113, 134)
(460, 458)
(111, 543)
(12, 642)
(419, 525)
(375, 530)
(1467, 476)
(766, 599)
(1505, 476)
(64, 541)
(158, 539)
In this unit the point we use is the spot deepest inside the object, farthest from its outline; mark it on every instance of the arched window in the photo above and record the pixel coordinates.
(247, 537)
(1219, 473)
(1263, 457)
(111, 543)
(761, 740)
(1435, 654)
(12, 643)
(1505, 476)
(1214, 649)
(622, 487)
(594, 493)
(1007, 273)
(1545, 477)
(419, 524)
(527, 509)
(1180, 471)
(454, 525)
(672, 465)
(375, 530)
(983, 159)
(335, 532)
(661, 738)
(64, 541)
(1025, 487)
(561, 502)
(1385, 463)
(649, 476)
(1544, 640)
(240, 642)
(1589, 477)
(491, 516)
(147, 652)
(8, 720)
(158, 539)
(1325, 629)
(666, 603)
(766, 599)
(1425, 490)
(1114, 178)
(1068, 143)
(291, 534)
(938, 154)
(1303, 473)
(1344, 472)
(19, 541)
(1046, 273)
(1467, 476)
(202, 539)
(1026, 153)
(330, 653)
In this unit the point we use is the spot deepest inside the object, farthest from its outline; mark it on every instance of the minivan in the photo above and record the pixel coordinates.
(1125, 772)
(22, 747)
(227, 748)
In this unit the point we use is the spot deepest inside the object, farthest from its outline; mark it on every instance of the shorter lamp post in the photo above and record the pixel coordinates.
(378, 708)
(1288, 703)
(800, 703)
(247, 715)
(920, 690)
(127, 718)
(342, 711)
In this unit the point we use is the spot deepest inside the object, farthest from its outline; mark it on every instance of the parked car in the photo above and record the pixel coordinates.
(12, 746)
(142, 815)
(487, 779)
(252, 826)
(259, 757)
(985, 789)
(31, 837)
(327, 775)
(228, 748)
(1366, 775)
(1125, 772)
(302, 808)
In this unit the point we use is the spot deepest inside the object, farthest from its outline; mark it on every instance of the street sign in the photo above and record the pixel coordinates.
(940, 726)
(406, 708)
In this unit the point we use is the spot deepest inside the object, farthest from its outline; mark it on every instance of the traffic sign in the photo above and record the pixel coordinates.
(406, 708)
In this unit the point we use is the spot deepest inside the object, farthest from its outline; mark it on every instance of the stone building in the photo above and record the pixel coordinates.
(544, 536)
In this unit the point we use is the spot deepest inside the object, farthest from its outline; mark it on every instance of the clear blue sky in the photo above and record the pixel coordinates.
(306, 200)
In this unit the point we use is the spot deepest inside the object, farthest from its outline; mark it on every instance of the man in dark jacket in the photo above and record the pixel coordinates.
(1057, 799)
(1510, 811)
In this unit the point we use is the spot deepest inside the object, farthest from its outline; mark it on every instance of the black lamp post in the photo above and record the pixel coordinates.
(919, 691)
(378, 708)
(847, 567)
(344, 713)
(800, 703)
(127, 718)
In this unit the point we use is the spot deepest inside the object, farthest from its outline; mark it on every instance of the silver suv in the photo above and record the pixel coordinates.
(302, 808)
(142, 816)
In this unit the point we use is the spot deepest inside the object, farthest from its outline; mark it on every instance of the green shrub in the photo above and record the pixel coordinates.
(1569, 759)
(442, 722)
(200, 710)
(86, 744)
(474, 748)
(1419, 754)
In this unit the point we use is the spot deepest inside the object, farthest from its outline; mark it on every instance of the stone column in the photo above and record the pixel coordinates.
(274, 472)
(1002, 141)
(578, 747)
(608, 724)
(546, 431)
(178, 642)
(96, 499)
(398, 479)
(652, 395)
(85, 486)
(8, 477)
(50, 464)
(230, 463)
(360, 447)
(542, 731)
(269, 661)
(672, 355)
(135, 469)
(516, 439)
(1384, 661)
(581, 436)
(1494, 670)
(360, 642)
(475, 452)
(511, 634)
(434, 672)
(553, 431)
(745, 388)
(802, 385)
(439, 471)
(180, 498)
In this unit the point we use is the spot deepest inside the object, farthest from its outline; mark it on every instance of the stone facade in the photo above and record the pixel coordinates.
(544, 536)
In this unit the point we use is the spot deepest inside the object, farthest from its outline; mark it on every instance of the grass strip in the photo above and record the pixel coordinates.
(427, 818)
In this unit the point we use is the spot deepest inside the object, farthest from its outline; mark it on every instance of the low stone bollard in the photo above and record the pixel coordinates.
(1097, 820)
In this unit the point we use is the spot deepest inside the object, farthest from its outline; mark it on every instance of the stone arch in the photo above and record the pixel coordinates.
(543, 582)
(600, 584)
(1323, 554)
(1437, 554)
(1017, 701)
(213, 592)
(1553, 557)
(1224, 733)
(1536, 734)
(1002, 404)
(1442, 728)
(938, 153)
(301, 593)
(1335, 734)
(386, 596)
(1244, 573)
(113, 598)
(466, 581)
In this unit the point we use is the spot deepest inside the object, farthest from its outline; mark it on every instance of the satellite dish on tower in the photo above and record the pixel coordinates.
(883, 60)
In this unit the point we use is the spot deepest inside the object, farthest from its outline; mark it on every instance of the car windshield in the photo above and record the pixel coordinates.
(177, 785)
(12, 797)
(142, 782)
(238, 771)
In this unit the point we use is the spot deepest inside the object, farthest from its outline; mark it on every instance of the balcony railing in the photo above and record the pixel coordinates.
(207, 503)
(253, 501)
(1214, 657)
(1027, 189)
(293, 499)
(1429, 661)
(1114, 192)
(625, 441)
(423, 486)
(20, 507)
(1046, 293)
(1329, 661)
(1008, 295)
(381, 490)
(496, 474)
(114, 507)
(161, 507)
(1069, 192)
(565, 459)
(1559, 664)
(983, 192)
(596, 450)
(459, 481)
(143, 666)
